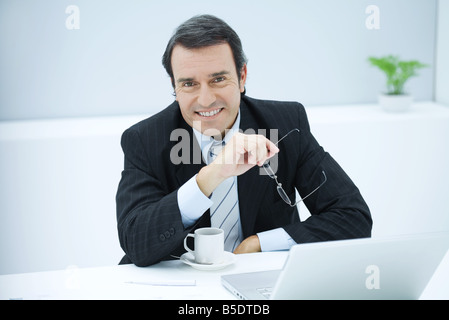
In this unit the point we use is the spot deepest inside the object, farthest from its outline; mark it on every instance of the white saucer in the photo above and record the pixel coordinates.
(228, 259)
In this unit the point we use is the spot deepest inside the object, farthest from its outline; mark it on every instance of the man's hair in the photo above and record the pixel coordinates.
(204, 31)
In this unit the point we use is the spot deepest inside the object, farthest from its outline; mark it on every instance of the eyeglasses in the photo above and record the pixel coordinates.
(281, 190)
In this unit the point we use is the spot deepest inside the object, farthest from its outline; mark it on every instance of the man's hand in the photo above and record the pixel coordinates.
(249, 245)
(240, 154)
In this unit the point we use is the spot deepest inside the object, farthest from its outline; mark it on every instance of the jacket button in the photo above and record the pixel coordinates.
(161, 237)
(167, 234)
(172, 231)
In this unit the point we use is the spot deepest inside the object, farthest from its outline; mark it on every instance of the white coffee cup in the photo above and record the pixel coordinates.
(209, 245)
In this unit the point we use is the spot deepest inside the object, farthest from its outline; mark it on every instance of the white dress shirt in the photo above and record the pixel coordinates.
(193, 203)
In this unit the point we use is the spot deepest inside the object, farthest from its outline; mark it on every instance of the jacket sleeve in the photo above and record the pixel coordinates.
(149, 222)
(337, 209)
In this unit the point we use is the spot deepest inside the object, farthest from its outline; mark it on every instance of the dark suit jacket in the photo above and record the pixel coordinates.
(149, 221)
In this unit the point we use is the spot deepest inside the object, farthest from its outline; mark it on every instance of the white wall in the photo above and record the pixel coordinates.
(57, 200)
(442, 54)
(313, 51)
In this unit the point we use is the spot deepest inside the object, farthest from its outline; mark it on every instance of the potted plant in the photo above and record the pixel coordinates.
(397, 72)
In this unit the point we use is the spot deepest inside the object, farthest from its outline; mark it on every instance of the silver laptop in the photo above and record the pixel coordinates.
(375, 268)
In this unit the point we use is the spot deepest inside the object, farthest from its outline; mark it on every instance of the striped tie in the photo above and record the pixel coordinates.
(224, 213)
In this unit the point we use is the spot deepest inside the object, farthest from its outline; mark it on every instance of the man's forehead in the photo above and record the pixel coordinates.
(210, 61)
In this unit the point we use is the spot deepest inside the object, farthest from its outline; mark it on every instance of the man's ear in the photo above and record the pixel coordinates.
(174, 88)
(242, 80)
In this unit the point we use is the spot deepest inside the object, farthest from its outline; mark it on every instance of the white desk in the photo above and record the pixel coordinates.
(110, 282)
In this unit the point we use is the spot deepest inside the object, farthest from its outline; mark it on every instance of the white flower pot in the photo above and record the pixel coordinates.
(395, 103)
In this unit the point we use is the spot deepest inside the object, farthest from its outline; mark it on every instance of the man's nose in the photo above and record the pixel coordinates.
(206, 96)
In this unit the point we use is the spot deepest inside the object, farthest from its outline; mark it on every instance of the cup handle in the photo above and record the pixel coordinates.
(185, 242)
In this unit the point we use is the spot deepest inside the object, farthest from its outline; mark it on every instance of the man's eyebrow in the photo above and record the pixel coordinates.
(184, 80)
(217, 74)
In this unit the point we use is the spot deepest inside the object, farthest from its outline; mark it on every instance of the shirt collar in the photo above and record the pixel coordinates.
(205, 142)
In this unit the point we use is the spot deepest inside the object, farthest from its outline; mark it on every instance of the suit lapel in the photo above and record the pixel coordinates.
(185, 171)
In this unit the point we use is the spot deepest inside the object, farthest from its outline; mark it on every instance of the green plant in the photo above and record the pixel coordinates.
(397, 72)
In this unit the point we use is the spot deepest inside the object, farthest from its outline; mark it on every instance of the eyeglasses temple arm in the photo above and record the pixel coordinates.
(325, 179)
(296, 129)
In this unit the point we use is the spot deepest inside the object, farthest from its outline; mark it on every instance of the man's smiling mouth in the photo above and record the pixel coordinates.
(209, 113)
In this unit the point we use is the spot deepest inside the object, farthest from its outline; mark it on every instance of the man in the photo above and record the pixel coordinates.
(220, 181)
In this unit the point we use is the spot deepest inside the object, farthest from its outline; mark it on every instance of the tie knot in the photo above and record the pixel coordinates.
(218, 144)
(215, 149)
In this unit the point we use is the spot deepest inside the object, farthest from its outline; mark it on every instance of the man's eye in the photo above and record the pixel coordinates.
(219, 79)
(188, 84)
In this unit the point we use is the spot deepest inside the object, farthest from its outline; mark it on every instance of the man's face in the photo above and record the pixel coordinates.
(207, 86)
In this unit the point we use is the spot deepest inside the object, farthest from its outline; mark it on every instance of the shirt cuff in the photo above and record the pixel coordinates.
(192, 202)
(275, 240)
